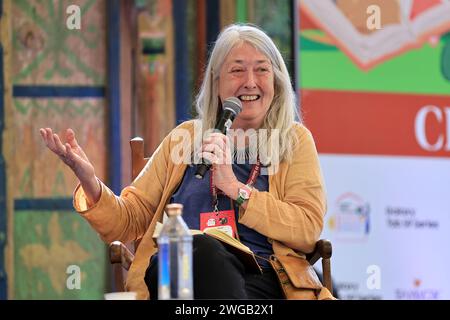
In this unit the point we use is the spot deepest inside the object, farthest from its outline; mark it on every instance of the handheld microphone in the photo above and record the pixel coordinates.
(231, 108)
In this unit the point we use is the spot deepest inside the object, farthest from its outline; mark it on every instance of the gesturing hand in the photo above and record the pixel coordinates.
(75, 158)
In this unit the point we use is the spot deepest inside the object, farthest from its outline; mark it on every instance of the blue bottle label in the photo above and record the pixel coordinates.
(164, 271)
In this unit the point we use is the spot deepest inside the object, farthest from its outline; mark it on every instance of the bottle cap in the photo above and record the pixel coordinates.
(174, 209)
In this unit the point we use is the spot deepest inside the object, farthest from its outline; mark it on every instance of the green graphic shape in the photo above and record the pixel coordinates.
(417, 71)
(46, 244)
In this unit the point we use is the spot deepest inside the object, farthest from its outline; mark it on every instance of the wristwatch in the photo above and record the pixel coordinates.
(243, 194)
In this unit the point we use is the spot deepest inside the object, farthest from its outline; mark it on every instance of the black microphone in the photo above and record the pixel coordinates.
(231, 108)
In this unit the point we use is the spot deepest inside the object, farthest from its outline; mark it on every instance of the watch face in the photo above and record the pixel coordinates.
(244, 193)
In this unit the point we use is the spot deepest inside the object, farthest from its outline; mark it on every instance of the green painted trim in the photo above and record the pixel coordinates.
(84, 109)
(241, 11)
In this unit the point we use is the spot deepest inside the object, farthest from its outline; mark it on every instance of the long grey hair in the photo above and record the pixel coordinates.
(283, 110)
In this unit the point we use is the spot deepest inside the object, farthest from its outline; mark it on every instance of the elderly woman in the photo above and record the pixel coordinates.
(276, 193)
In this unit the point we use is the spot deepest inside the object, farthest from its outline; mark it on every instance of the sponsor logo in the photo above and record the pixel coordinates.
(351, 217)
(417, 292)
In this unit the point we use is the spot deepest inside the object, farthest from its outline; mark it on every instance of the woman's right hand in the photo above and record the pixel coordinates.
(75, 158)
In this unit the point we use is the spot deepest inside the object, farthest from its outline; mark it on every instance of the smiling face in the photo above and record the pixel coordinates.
(248, 75)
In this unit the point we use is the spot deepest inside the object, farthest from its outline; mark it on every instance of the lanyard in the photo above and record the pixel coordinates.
(254, 173)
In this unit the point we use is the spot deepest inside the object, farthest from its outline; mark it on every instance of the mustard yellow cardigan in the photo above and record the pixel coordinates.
(290, 214)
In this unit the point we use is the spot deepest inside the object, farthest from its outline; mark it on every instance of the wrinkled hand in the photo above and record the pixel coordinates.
(70, 152)
(75, 158)
(216, 149)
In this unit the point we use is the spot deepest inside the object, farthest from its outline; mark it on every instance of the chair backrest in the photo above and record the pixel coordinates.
(138, 162)
(119, 253)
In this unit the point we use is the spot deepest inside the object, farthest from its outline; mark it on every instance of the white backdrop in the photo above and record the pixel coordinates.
(388, 220)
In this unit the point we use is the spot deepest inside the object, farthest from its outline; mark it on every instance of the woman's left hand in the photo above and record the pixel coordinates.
(216, 149)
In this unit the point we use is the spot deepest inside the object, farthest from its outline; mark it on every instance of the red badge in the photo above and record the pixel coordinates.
(222, 220)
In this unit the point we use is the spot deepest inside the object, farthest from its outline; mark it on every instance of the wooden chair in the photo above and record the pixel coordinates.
(121, 256)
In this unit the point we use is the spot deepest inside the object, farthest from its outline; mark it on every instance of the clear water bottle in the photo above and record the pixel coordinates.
(175, 257)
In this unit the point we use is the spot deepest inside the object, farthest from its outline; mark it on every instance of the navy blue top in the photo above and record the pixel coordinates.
(195, 195)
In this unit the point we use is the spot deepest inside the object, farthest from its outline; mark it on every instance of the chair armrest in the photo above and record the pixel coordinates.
(119, 253)
(322, 250)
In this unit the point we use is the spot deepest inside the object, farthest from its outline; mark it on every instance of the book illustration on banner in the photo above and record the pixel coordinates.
(405, 24)
(241, 251)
